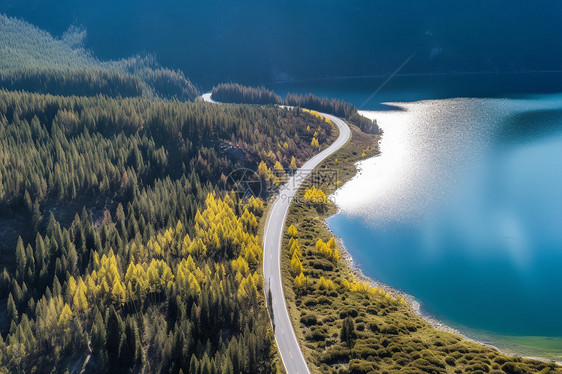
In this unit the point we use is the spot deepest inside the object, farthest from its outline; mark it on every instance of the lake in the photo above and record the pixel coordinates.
(463, 208)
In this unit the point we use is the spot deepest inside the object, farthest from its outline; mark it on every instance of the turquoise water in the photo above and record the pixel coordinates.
(463, 210)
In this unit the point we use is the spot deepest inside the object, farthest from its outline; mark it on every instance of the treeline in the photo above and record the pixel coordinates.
(336, 107)
(56, 147)
(86, 82)
(236, 93)
(165, 83)
(32, 60)
(161, 272)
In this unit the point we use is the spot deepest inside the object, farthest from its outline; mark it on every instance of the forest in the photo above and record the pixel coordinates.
(122, 249)
(236, 93)
(33, 60)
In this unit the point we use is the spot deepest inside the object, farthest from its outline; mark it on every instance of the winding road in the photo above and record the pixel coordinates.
(285, 337)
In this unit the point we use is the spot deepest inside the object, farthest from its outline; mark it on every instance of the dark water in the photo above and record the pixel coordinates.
(368, 93)
(254, 42)
(463, 210)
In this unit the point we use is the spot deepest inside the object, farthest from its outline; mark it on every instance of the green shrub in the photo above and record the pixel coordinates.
(322, 264)
(348, 312)
(450, 361)
(310, 301)
(373, 327)
(514, 368)
(317, 333)
(478, 368)
(309, 319)
(389, 329)
(427, 367)
(364, 352)
(401, 358)
(324, 300)
(335, 354)
(362, 367)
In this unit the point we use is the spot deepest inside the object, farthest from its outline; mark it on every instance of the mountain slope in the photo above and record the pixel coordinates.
(32, 60)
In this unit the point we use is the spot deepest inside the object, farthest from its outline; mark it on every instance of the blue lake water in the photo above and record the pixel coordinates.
(368, 93)
(463, 209)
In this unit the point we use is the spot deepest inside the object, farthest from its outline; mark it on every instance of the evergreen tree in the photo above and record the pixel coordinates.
(347, 332)
(98, 333)
(21, 260)
(113, 333)
(11, 309)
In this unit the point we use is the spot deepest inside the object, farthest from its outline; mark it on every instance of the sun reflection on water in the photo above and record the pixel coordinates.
(463, 209)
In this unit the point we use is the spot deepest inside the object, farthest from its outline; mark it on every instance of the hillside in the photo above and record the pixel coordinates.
(131, 252)
(132, 213)
(262, 41)
(33, 60)
(122, 248)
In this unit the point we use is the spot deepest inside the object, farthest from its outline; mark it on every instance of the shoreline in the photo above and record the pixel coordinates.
(415, 305)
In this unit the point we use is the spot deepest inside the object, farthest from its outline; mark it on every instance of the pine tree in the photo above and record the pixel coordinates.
(11, 309)
(193, 364)
(35, 215)
(178, 352)
(113, 332)
(21, 260)
(270, 307)
(347, 333)
(98, 333)
(126, 354)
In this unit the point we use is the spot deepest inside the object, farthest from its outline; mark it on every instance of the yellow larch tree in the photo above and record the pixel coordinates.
(315, 195)
(296, 265)
(314, 143)
(326, 284)
(328, 249)
(301, 282)
(292, 231)
(65, 317)
(293, 164)
(295, 247)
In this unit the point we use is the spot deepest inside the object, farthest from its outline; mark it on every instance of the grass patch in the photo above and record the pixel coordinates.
(388, 336)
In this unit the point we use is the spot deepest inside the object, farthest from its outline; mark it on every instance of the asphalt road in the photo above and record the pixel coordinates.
(285, 337)
(207, 97)
(287, 342)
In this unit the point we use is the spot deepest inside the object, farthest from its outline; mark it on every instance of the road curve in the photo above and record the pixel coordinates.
(285, 337)
(207, 97)
(287, 342)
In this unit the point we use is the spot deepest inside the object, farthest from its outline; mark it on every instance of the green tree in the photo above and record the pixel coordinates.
(113, 332)
(11, 309)
(270, 306)
(21, 259)
(347, 333)
(98, 333)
